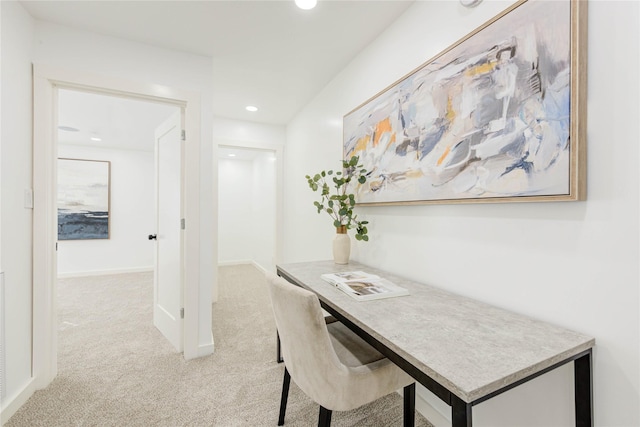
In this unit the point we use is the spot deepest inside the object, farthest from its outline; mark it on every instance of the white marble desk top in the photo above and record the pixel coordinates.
(471, 348)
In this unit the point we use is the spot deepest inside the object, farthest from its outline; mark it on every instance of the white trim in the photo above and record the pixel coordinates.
(235, 262)
(207, 349)
(242, 262)
(46, 79)
(90, 273)
(259, 267)
(11, 406)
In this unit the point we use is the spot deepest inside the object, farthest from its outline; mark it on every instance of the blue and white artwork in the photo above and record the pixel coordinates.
(488, 118)
(83, 199)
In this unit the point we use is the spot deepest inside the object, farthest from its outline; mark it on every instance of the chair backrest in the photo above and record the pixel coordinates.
(306, 346)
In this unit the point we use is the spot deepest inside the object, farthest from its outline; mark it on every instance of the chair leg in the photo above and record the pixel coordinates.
(324, 419)
(410, 405)
(279, 351)
(285, 395)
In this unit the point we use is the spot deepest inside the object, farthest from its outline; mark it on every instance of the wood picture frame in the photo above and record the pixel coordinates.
(83, 199)
(499, 116)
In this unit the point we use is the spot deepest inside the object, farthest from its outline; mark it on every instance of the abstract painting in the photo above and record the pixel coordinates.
(83, 199)
(495, 117)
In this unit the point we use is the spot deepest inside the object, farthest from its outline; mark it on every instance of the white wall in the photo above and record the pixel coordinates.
(132, 216)
(247, 212)
(247, 134)
(574, 264)
(235, 215)
(15, 177)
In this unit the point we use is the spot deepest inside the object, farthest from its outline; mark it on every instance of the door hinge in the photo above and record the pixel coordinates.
(183, 135)
(182, 313)
(183, 224)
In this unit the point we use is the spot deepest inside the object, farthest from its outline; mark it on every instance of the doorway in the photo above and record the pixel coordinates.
(48, 81)
(247, 200)
(120, 131)
(104, 221)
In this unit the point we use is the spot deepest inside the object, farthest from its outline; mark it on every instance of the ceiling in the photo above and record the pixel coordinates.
(265, 53)
(121, 123)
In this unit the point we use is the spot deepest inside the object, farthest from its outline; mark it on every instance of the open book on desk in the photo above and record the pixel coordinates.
(364, 286)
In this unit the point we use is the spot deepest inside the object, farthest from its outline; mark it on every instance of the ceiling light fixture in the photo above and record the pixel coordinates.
(232, 155)
(251, 108)
(95, 138)
(306, 4)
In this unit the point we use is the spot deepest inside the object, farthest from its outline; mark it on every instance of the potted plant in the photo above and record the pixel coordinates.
(339, 204)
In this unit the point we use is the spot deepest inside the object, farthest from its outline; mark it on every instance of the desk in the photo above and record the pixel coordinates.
(463, 350)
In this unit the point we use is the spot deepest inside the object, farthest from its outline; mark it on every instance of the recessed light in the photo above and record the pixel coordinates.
(232, 155)
(251, 108)
(95, 138)
(306, 4)
(68, 128)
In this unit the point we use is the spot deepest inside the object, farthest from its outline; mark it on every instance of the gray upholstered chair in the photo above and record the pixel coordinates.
(330, 364)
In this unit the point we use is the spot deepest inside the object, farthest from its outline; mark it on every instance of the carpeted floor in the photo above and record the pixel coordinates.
(116, 369)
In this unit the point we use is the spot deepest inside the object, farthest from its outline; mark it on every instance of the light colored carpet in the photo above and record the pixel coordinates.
(116, 369)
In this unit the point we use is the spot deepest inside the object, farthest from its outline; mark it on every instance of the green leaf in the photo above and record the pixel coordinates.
(330, 203)
(358, 237)
(362, 179)
(329, 211)
(336, 223)
(323, 173)
(365, 238)
(316, 177)
(354, 161)
(342, 211)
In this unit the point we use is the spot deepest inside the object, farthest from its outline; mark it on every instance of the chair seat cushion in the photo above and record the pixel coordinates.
(352, 350)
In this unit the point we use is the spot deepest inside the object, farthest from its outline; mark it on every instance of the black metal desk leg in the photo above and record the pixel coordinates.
(460, 412)
(583, 387)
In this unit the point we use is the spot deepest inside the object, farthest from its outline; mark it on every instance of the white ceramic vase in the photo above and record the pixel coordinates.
(341, 246)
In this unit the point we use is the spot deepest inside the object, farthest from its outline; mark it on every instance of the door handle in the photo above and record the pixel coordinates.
(153, 237)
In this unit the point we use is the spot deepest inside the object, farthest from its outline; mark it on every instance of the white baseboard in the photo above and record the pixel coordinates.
(242, 262)
(206, 349)
(258, 266)
(104, 272)
(235, 262)
(14, 403)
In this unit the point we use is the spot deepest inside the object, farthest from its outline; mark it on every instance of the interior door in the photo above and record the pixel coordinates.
(168, 293)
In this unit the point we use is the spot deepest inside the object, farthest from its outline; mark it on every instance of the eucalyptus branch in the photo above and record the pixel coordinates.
(339, 204)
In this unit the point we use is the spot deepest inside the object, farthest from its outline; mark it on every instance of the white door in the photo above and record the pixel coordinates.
(167, 304)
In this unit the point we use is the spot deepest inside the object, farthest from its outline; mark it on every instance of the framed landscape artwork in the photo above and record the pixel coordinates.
(497, 117)
(83, 199)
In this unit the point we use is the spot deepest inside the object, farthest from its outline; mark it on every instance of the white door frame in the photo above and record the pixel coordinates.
(46, 80)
